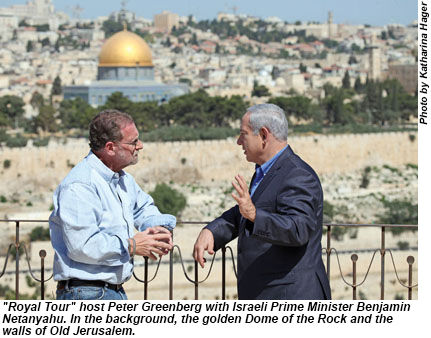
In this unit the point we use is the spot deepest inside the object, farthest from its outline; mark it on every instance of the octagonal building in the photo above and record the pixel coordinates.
(125, 65)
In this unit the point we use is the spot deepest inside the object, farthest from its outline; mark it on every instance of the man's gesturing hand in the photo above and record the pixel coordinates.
(246, 206)
(156, 240)
(204, 242)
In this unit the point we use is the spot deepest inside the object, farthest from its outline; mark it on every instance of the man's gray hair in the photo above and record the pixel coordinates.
(270, 116)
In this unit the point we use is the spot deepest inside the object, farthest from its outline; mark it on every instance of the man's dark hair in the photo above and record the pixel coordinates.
(106, 127)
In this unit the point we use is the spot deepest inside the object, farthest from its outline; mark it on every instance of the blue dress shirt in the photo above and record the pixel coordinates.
(95, 212)
(261, 171)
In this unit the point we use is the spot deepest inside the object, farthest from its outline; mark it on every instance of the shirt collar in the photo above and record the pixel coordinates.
(264, 168)
(107, 174)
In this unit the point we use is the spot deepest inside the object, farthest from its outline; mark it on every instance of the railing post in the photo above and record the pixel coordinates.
(145, 278)
(410, 261)
(196, 281)
(382, 270)
(171, 270)
(17, 245)
(171, 274)
(223, 273)
(42, 255)
(328, 252)
(354, 258)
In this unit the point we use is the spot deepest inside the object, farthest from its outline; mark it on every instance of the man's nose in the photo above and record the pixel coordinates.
(238, 141)
(139, 145)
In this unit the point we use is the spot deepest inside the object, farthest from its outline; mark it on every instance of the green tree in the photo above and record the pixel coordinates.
(346, 80)
(191, 110)
(145, 115)
(259, 90)
(358, 85)
(352, 60)
(336, 111)
(118, 101)
(11, 110)
(76, 113)
(110, 27)
(57, 45)
(29, 47)
(45, 42)
(302, 68)
(45, 120)
(37, 100)
(200, 110)
(297, 106)
(168, 200)
(56, 86)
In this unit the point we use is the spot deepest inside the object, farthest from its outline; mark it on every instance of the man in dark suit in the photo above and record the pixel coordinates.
(278, 220)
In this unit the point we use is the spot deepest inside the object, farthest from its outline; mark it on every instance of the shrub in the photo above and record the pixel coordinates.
(338, 232)
(399, 212)
(3, 135)
(403, 245)
(18, 141)
(328, 211)
(365, 179)
(362, 295)
(6, 164)
(186, 133)
(398, 296)
(12, 251)
(40, 233)
(41, 142)
(168, 200)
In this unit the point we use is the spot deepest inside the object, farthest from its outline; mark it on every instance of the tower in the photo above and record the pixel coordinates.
(374, 72)
(330, 25)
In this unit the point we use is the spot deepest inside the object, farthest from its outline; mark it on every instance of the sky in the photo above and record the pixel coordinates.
(372, 12)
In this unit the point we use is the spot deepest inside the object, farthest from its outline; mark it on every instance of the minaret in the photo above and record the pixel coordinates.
(330, 21)
(374, 73)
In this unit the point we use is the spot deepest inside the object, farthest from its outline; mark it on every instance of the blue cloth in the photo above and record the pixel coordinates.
(95, 211)
(261, 171)
(90, 293)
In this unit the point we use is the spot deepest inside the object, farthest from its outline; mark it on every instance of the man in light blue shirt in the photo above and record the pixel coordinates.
(96, 210)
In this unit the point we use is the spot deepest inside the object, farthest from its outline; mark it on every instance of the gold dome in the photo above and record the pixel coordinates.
(125, 49)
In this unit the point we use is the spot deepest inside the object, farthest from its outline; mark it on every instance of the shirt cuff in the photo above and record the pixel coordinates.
(165, 220)
(124, 247)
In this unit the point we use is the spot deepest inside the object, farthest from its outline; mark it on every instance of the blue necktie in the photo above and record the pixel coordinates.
(257, 178)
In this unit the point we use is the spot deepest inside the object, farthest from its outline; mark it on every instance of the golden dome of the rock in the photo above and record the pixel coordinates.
(125, 49)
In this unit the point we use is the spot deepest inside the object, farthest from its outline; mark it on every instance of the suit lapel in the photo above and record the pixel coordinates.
(271, 173)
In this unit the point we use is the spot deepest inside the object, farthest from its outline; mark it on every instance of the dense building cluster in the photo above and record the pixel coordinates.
(229, 55)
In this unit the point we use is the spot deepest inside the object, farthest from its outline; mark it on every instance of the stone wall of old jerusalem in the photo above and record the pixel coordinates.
(184, 162)
(41, 169)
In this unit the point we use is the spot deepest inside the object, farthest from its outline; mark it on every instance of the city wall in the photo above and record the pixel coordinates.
(219, 160)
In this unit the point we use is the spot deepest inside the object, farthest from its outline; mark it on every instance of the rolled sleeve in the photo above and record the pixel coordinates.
(147, 215)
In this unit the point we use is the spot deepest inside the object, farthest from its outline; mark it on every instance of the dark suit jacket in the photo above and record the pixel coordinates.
(280, 254)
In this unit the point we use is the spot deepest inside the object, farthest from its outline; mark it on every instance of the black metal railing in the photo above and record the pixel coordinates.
(146, 280)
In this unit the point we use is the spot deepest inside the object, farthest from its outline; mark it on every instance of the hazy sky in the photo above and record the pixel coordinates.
(373, 12)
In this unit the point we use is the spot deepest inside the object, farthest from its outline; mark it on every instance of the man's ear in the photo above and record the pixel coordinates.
(109, 147)
(264, 133)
